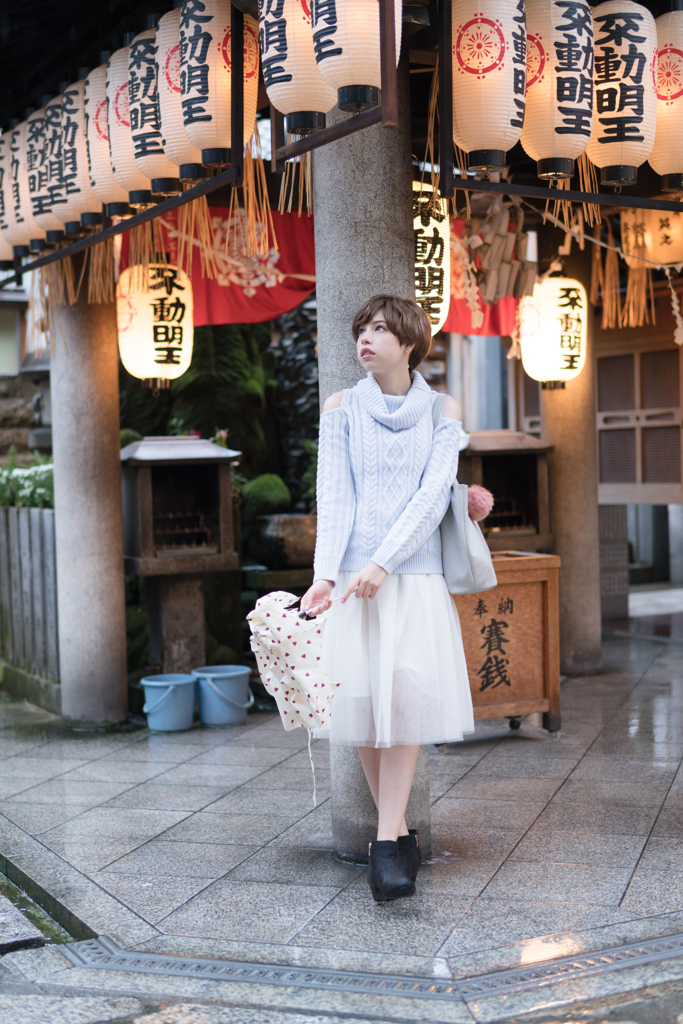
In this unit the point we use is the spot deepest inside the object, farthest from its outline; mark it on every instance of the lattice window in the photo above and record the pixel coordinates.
(662, 454)
(617, 456)
(616, 383)
(659, 380)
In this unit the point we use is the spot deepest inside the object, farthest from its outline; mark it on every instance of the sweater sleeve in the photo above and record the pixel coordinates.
(335, 493)
(427, 507)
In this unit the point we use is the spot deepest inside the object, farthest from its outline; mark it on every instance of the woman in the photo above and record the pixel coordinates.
(384, 478)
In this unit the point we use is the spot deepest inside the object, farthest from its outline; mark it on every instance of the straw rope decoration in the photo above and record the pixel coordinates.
(611, 301)
(635, 312)
(194, 221)
(250, 226)
(145, 246)
(297, 182)
(101, 286)
(588, 182)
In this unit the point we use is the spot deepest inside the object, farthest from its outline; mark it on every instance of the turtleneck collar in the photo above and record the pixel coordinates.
(417, 401)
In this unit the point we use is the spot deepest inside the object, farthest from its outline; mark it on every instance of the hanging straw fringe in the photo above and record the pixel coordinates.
(297, 182)
(194, 223)
(611, 301)
(635, 312)
(145, 247)
(588, 182)
(101, 286)
(251, 223)
(676, 309)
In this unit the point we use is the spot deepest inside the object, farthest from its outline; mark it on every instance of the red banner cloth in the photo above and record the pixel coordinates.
(248, 289)
(499, 318)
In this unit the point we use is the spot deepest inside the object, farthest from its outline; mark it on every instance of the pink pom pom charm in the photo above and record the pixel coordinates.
(479, 502)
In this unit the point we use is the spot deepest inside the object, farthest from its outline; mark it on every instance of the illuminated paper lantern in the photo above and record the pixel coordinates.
(32, 234)
(553, 325)
(489, 79)
(102, 179)
(347, 48)
(44, 183)
(653, 234)
(155, 326)
(10, 231)
(123, 163)
(625, 114)
(6, 252)
(145, 120)
(432, 234)
(559, 100)
(82, 207)
(293, 81)
(666, 157)
(205, 77)
(175, 142)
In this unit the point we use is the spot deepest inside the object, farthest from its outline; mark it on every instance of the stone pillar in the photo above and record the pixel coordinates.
(569, 423)
(89, 535)
(363, 246)
(176, 622)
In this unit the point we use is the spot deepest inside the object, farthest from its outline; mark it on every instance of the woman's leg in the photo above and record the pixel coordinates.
(390, 775)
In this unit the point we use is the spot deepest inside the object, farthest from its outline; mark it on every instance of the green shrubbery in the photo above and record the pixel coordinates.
(29, 487)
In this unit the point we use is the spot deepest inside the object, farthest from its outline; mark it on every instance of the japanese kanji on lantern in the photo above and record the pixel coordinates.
(559, 99)
(144, 116)
(175, 142)
(155, 323)
(431, 230)
(489, 79)
(655, 235)
(624, 89)
(51, 187)
(82, 207)
(31, 233)
(102, 180)
(666, 157)
(553, 330)
(346, 41)
(206, 77)
(14, 234)
(294, 83)
(124, 165)
(44, 186)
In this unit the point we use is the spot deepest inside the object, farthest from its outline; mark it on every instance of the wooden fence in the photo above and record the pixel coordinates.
(28, 590)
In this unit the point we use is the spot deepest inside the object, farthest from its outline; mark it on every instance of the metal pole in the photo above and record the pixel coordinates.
(446, 185)
(237, 97)
(387, 47)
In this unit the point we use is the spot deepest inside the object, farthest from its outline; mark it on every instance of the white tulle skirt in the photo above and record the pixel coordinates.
(400, 661)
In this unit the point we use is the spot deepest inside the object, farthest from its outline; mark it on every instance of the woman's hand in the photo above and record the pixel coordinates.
(367, 582)
(316, 600)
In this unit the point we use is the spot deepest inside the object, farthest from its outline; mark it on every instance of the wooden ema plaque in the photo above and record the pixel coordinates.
(511, 639)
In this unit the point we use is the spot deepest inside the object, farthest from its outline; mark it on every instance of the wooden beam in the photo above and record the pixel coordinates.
(352, 124)
(537, 192)
(446, 186)
(277, 140)
(237, 97)
(387, 47)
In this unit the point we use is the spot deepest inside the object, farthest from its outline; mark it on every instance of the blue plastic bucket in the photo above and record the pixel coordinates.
(169, 702)
(224, 694)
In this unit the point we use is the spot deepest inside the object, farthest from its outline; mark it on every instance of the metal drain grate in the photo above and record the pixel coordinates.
(103, 953)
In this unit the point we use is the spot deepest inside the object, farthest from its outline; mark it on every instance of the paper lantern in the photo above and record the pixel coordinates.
(123, 163)
(205, 77)
(666, 157)
(653, 235)
(82, 207)
(432, 234)
(489, 79)
(32, 234)
(624, 89)
(559, 100)
(347, 48)
(145, 120)
(11, 233)
(293, 81)
(6, 253)
(177, 146)
(44, 180)
(553, 324)
(102, 179)
(155, 326)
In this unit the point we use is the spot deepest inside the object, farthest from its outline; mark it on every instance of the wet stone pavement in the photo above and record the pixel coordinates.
(206, 843)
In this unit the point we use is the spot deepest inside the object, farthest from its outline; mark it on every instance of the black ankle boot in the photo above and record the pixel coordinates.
(410, 854)
(386, 876)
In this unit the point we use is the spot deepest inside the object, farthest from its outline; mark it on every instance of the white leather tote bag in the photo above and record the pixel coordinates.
(467, 564)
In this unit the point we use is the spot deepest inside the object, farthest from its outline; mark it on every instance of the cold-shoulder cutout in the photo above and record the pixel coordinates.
(334, 401)
(451, 409)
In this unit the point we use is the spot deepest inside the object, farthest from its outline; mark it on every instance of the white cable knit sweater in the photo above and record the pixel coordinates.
(383, 482)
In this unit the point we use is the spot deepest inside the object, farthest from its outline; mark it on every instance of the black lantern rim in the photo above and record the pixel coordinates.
(166, 186)
(38, 244)
(191, 174)
(72, 227)
(304, 122)
(156, 383)
(215, 157)
(6, 264)
(486, 160)
(555, 168)
(672, 183)
(355, 98)
(141, 199)
(91, 220)
(20, 251)
(118, 210)
(552, 385)
(54, 237)
(619, 174)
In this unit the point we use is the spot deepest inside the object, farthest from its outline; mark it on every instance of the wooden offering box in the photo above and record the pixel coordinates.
(511, 638)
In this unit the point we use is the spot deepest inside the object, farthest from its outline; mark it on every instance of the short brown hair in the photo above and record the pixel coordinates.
(404, 318)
